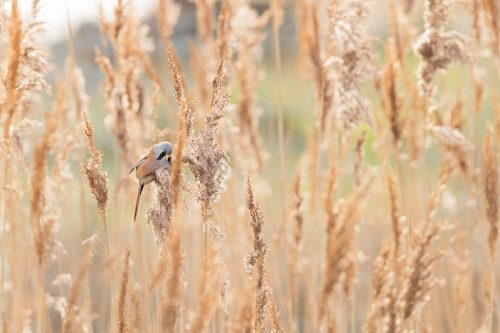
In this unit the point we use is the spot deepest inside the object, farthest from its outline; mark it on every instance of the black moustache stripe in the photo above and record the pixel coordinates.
(162, 155)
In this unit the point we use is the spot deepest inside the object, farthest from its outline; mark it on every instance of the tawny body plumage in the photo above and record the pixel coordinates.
(158, 156)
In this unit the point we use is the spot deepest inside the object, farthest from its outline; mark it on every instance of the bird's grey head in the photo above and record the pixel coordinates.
(163, 150)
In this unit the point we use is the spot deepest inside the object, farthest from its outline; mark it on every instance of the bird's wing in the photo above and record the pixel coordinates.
(137, 164)
(141, 160)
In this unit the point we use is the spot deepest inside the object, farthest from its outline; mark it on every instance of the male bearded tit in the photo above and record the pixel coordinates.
(157, 156)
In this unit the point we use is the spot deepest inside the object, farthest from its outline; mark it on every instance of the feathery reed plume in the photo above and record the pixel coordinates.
(454, 142)
(121, 315)
(382, 284)
(418, 278)
(386, 280)
(25, 65)
(254, 262)
(451, 138)
(159, 215)
(96, 178)
(14, 55)
(491, 188)
(350, 63)
(398, 294)
(437, 48)
(208, 162)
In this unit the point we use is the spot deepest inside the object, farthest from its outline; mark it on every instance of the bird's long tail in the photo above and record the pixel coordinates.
(141, 186)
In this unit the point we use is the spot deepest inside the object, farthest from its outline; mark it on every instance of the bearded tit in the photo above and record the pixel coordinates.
(158, 156)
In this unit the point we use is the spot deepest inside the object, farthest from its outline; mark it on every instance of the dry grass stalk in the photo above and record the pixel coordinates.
(390, 96)
(491, 10)
(476, 11)
(254, 262)
(246, 30)
(121, 317)
(71, 322)
(184, 125)
(204, 62)
(462, 286)
(242, 321)
(358, 159)
(42, 153)
(395, 217)
(96, 178)
(137, 317)
(274, 312)
(339, 248)
(211, 282)
(296, 215)
(77, 85)
(382, 283)
(456, 116)
(173, 287)
(39, 174)
(491, 188)
(167, 16)
(159, 272)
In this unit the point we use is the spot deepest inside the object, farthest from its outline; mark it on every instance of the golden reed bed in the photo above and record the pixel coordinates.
(387, 220)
